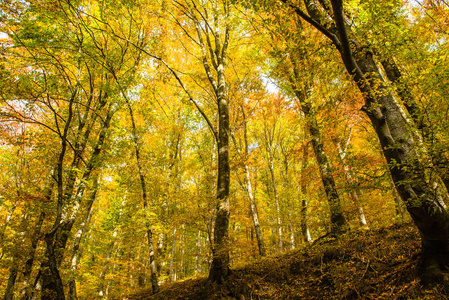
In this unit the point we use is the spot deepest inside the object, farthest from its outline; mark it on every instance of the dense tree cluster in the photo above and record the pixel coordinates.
(147, 141)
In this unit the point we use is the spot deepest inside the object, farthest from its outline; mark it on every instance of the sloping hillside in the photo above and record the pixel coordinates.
(376, 264)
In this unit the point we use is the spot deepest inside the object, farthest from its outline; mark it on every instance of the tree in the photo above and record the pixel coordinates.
(211, 21)
(294, 68)
(399, 149)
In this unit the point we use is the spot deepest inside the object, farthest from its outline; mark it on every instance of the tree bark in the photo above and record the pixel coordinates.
(217, 56)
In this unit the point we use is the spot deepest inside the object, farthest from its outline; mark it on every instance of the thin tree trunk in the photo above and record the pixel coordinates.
(354, 194)
(269, 146)
(247, 186)
(26, 292)
(220, 253)
(253, 210)
(304, 194)
(153, 270)
(198, 253)
(338, 220)
(172, 277)
(287, 186)
(160, 250)
(173, 164)
(101, 287)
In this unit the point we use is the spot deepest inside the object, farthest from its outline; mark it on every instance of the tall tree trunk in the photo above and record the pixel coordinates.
(220, 262)
(149, 231)
(338, 220)
(213, 57)
(220, 252)
(172, 180)
(287, 186)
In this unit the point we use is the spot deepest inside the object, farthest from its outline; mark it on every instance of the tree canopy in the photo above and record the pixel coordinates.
(144, 142)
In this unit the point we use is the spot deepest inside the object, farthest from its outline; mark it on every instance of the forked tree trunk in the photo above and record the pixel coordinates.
(56, 238)
(216, 54)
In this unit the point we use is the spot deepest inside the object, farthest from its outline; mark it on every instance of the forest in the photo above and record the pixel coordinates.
(146, 142)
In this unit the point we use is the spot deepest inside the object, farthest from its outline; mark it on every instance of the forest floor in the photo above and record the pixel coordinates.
(375, 264)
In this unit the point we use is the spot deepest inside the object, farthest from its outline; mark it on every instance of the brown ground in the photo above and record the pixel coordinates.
(377, 264)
